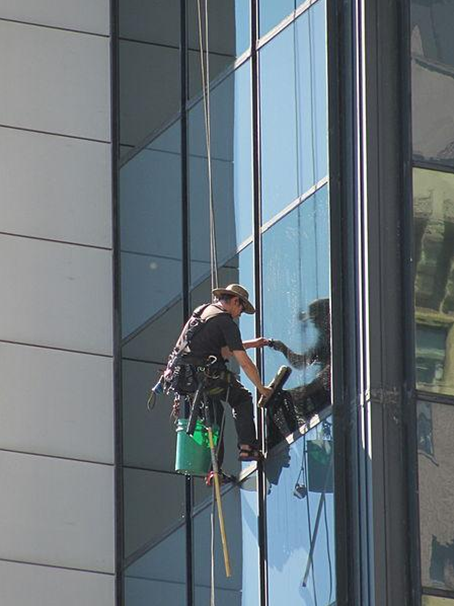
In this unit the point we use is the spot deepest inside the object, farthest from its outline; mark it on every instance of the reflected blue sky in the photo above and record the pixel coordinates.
(271, 12)
(278, 123)
(242, 26)
(293, 95)
(292, 511)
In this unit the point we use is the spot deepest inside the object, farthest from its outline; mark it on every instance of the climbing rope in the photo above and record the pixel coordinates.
(205, 74)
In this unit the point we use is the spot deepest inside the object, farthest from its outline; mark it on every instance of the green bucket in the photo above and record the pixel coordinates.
(193, 452)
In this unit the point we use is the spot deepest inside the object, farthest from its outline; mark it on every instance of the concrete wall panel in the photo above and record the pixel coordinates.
(56, 295)
(57, 512)
(57, 81)
(55, 187)
(84, 15)
(56, 403)
(26, 585)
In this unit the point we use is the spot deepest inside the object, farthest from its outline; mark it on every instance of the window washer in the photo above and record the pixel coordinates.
(219, 336)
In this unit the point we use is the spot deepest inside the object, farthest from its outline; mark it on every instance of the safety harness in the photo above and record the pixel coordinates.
(181, 375)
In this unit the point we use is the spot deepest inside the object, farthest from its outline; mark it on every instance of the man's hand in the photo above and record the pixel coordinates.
(265, 392)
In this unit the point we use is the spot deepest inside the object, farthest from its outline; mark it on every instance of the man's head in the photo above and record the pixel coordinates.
(235, 299)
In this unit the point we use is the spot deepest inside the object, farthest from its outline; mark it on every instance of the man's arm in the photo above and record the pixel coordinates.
(251, 371)
(259, 342)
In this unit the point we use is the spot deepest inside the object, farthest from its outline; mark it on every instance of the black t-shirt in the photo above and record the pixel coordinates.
(218, 331)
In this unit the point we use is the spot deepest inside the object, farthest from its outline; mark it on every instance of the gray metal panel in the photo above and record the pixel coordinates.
(56, 295)
(85, 15)
(58, 81)
(55, 187)
(57, 512)
(384, 339)
(58, 403)
(28, 585)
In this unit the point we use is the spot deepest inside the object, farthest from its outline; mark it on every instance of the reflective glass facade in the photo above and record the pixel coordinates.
(349, 258)
(273, 237)
(432, 63)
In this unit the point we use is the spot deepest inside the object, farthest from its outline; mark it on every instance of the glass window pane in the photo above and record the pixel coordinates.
(311, 83)
(436, 494)
(229, 36)
(149, 58)
(300, 520)
(278, 123)
(240, 513)
(149, 438)
(433, 194)
(158, 576)
(231, 137)
(432, 46)
(150, 220)
(296, 308)
(154, 504)
(293, 111)
(272, 12)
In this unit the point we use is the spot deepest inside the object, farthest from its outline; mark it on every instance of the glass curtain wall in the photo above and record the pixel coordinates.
(432, 61)
(272, 235)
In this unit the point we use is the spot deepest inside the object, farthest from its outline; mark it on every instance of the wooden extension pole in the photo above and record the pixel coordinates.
(217, 490)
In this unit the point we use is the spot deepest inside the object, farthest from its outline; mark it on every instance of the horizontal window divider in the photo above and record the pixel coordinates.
(291, 18)
(288, 209)
(161, 312)
(435, 166)
(145, 142)
(303, 430)
(151, 544)
(434, 398)
(138, 253)
(141, 577)
(171, 46)
(215, 82)
(434, 65)
(438, 593)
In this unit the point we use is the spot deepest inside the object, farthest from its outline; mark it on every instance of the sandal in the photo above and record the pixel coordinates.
(250, 453)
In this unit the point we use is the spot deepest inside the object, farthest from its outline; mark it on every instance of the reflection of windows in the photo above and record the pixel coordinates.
(442, 563)
(434, 279)
(436, 494)
(430, 354)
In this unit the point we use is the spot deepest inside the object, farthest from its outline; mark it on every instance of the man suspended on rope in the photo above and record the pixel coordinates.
(219, 337)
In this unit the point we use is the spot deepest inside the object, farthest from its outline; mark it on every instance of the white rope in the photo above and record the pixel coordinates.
(205, 74)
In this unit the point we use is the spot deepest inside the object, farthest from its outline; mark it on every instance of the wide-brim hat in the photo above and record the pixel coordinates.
(236, 290)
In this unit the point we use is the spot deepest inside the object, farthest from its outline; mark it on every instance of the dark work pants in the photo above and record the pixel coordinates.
(240, 401)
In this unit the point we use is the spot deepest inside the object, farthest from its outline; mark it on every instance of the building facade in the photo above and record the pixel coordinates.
(330, 134)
